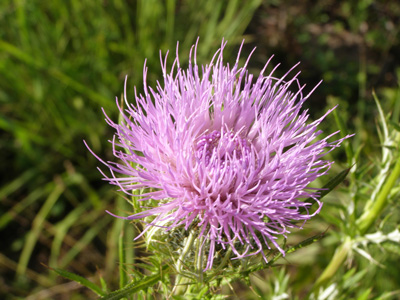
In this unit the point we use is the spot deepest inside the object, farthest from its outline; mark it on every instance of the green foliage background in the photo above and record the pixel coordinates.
(61, 61)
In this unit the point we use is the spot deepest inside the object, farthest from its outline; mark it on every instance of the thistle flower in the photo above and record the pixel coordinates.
(221, 150)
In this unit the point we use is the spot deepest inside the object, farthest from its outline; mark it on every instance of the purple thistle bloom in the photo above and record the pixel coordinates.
(225, 151)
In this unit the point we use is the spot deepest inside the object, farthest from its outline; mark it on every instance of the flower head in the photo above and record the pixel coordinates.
(223, 150)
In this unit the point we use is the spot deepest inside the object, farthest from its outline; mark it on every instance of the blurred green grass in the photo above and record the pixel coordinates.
(61, 61)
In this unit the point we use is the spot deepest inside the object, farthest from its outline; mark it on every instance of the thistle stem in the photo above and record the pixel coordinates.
(368, 217)
(335, 263)
(179, 288)
(200, 251)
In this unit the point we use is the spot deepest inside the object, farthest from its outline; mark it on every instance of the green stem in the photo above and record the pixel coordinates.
(123, 280)
(368, 217)
(179, 287)
(337, 260)
(200, 261)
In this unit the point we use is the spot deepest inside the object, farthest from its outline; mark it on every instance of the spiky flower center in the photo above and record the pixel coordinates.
(220, 149)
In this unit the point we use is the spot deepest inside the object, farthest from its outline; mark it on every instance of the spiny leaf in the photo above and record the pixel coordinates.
(300, 245)
(81, 280)
(303, 244)
(136, 286)
(328, 187)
